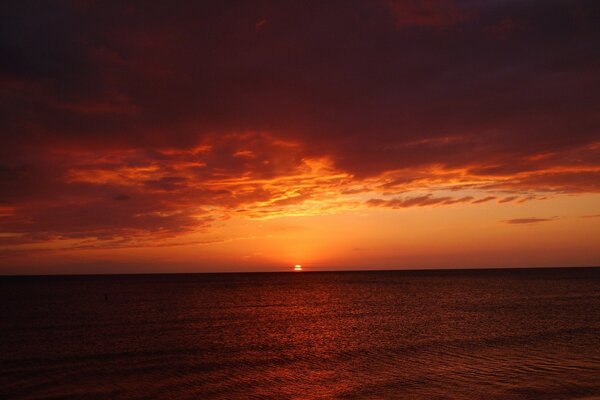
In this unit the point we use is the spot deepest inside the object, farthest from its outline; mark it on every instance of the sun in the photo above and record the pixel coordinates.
(298, 268)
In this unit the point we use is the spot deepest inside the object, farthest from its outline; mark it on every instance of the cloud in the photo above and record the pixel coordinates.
(528, 220)
(102, 220)
(436, 14)
(160, 193)
(484, 200)
(426, 200)
(137, 121)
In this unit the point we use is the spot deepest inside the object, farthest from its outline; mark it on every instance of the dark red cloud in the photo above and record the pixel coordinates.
(137, 118)
(484, 200)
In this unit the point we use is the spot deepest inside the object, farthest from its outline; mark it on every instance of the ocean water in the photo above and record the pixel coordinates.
(518, 334)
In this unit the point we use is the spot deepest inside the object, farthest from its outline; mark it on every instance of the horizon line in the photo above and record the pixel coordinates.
(299, 272)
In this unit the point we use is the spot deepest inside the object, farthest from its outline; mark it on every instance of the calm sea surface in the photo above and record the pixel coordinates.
(407, 335)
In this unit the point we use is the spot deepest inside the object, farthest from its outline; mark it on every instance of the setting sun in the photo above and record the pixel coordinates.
(298, 268)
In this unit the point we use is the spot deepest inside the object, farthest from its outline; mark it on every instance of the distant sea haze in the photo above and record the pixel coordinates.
(497, 334)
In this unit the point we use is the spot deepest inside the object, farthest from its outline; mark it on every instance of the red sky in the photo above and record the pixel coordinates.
(256, 135)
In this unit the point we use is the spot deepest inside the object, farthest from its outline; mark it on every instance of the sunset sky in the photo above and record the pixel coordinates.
(257, 135)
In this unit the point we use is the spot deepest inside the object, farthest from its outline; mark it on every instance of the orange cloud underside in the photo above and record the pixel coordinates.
(274, 205)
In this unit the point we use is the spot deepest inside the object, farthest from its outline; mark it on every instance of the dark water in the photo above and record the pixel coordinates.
(409, 335)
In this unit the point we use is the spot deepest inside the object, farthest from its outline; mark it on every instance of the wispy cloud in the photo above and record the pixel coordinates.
(420, 201)
(531, 220)
(484, 200)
